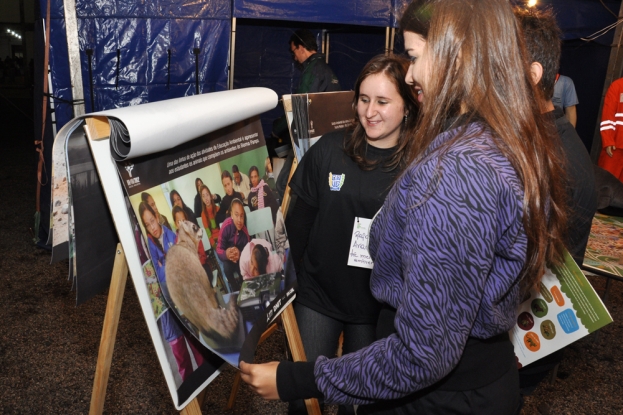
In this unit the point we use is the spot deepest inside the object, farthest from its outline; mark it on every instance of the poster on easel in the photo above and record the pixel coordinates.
(312, 115)
(222, 269)
(209, 281)
(563, 309)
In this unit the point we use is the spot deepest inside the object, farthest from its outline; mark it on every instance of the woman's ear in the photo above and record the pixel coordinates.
(536, 72)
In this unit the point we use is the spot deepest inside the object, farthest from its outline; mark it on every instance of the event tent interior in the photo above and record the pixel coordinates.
(134, 52)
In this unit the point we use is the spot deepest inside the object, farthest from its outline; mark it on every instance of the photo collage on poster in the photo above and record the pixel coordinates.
(212, 240)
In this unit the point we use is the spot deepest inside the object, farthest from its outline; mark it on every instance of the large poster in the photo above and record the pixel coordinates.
(209, 272)
(215, 235)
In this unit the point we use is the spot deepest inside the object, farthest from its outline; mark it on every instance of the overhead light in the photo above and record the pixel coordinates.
(531, 3)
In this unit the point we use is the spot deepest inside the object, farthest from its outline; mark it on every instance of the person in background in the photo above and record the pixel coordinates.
(162, 220)
(542, 37)
(230, 194)
(465, 231)
(241, 183)
(566, 98)
(611, 128)
(334, 297)
(316, 76)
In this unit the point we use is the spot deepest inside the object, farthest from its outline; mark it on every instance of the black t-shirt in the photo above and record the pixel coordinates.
(581, 186)
(326, 283)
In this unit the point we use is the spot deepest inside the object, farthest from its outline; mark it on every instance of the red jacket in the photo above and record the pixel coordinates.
(612, 116)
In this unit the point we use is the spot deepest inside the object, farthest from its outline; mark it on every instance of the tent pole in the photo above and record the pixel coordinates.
(326, 56)
(232, 52)
(615, 67)
(387, 32)
(392, 39)
(73, 49)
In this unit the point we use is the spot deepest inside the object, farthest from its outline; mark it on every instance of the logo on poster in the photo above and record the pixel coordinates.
(129, 167)
(336, 181)
(133, 182)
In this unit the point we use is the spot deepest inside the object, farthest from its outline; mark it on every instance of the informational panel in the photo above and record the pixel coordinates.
(209, 303)
(312, 115)
(604, 252)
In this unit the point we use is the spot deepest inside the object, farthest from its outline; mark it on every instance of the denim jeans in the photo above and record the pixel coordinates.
(320, 335)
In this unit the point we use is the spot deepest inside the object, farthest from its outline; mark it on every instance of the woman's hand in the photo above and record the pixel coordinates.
(261, 378)
(610, 149)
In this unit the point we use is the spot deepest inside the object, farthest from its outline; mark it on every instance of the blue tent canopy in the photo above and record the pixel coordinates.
(353, 12)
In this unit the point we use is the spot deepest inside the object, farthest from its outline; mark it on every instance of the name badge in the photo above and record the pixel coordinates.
(358, 255)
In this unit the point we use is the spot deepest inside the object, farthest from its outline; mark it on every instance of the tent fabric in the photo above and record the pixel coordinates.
(143, 33)
(354, 12)
(576, 18)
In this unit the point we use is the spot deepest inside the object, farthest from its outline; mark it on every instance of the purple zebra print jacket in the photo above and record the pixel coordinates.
(448, 247)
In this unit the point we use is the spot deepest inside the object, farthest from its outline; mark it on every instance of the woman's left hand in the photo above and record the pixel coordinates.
(261, 378)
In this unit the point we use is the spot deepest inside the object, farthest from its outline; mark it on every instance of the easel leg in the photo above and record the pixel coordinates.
(298, 352)
(288, 318)
(285, 203)
(109, 332)
(193, 408)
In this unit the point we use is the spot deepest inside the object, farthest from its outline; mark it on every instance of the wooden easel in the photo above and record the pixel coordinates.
(99, 128)
(109, 334)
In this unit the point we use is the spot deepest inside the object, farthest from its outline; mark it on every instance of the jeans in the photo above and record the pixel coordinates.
(320, 335)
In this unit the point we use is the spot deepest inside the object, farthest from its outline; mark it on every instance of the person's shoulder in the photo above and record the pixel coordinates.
(617, 84)
(227, 223)
(479, 152)
(565, 79)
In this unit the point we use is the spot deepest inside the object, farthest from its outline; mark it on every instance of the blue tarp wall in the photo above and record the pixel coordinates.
(143, 50)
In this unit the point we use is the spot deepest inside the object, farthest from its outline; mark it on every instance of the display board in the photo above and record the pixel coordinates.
(185, 276)
(604, 251)
(312, 115)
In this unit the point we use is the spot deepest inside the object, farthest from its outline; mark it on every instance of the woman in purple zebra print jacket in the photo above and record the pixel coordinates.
(466, 229)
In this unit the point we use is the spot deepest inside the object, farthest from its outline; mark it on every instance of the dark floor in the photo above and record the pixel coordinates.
(48, 346)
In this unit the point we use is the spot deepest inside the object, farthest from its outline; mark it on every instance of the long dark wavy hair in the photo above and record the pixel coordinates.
(479, 69)
(395, 69)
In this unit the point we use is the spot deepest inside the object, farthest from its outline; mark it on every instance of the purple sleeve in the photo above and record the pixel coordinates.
(441, 226)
